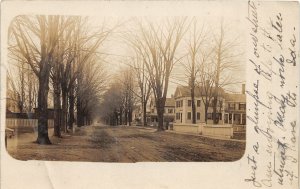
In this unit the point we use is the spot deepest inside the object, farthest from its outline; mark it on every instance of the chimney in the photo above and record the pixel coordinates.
(243, 88)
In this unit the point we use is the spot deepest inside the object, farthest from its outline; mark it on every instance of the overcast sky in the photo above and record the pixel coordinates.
(210, 17)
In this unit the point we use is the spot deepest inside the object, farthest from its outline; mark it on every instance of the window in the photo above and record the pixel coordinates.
(218, 116)
(198, 115)
(209, 115)
(242, 106)
(177, 116)
(179, 103)
(189, 103)
(189, 115)
(198, 103)
(170, 111)
(231, 106)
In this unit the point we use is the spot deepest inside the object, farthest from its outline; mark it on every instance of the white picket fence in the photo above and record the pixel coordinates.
(14, 123)
(187, 128)
(222, 131)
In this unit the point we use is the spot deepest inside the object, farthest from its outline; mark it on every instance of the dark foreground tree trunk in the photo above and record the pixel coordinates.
(43, 137)
(193, 104)
(160, 105)
(214, 116)
(129, 116)
(71, 108)
(145, 114)
(205, 112)
(57, 110)
(64, 110)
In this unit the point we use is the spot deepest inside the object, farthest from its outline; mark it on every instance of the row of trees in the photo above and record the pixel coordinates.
(61, 54)
(61, 51)
(209, 60)
(120, 99)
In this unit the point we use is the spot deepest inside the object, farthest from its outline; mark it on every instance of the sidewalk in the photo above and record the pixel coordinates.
(205, 136)
(190, 134)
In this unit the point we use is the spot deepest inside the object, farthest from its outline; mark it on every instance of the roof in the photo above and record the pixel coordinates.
(185, 91)
(169, 102)
(235, 97)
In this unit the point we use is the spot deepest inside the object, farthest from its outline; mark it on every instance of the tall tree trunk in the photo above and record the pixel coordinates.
(43, 137)
(64, 110)
(71, 108)
(145, 113)
(126, 116)
(29, 93)
(192, 85)
(129, 116)
(121, 113)
(193, 103)
(205, 112)
(160, 105)
(80, 118)
(57, 109)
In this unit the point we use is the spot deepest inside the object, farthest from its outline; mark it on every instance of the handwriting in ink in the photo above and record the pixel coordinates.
(280, 62)
(268, 181)
(253, 163)
(278, 28)
(252, 18)
(292, 59)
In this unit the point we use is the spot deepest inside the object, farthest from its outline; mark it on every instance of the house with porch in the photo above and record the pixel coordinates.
(231, 108)
(183, 105)
(169, 111)
(235, 109)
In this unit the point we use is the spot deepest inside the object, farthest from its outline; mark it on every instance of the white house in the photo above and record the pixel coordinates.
(169, 111)
(231, 108)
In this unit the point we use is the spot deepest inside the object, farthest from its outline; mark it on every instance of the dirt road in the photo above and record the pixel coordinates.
(125, 144)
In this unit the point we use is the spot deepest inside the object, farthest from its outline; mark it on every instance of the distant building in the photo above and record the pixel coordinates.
(231, 107)
(183, 104)
(235, 108)
(169, 111)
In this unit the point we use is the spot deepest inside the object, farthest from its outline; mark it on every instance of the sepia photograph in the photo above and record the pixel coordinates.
(149, 94)
(125, 89)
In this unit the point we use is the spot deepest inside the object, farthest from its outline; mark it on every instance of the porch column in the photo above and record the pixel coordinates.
(228, 121)
(241, 120)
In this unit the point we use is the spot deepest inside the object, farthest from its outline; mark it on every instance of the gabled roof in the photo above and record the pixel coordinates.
(185, 91)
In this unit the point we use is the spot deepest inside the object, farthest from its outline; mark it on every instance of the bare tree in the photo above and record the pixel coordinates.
(206, 79)
(157, 45)
(197, 37)
(143, 84)
(90, 88)
(128, 94)
(112, 104)
(33, 39)
(225, 54)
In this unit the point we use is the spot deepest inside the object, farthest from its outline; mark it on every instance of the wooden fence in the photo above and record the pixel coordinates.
(15, 123)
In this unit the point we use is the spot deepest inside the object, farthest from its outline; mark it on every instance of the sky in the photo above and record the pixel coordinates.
(210, 18)
(208, 14)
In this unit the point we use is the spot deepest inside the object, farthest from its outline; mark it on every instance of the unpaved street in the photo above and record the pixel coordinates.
(125, 144)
